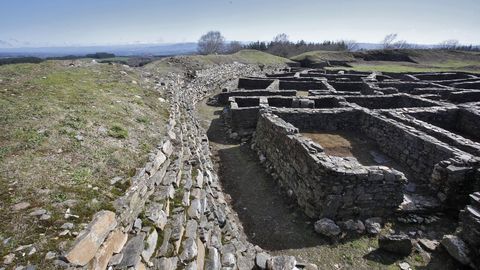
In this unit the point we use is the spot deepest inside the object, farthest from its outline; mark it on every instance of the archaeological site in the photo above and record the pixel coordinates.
(240, 135)
(273, 168)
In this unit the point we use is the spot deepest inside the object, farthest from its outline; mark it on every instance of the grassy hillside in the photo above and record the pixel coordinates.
(401, 60)
(178, 63)
(65, 133)
(320, 56)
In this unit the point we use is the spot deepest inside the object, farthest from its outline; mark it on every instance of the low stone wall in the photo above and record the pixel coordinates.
(302, 85)
(470, 123)
(224, 96)
(447, 170)
(242, 115)
(441, 76)
(392, 101)
(323, 185)
(348, 86)
(470, 227)
(280, 75)
(464, 96)
(468, 85)
(406, 87)
(427, 159)
(243, 120)
(462, 121)
(437, 132)
(347, 77)
(250, 83)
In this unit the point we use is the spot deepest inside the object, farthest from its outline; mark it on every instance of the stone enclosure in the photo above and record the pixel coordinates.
(360, 145)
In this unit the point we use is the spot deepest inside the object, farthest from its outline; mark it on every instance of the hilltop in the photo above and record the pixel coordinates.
(394, 60)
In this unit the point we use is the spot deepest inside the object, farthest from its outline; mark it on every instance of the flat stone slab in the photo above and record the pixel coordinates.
(88, 242)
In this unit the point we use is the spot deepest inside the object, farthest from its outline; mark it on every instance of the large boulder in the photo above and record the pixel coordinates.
(327, 227)
(457, 248)
(396, 243)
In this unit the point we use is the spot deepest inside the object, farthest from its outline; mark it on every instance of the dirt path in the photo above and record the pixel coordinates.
(255, 197)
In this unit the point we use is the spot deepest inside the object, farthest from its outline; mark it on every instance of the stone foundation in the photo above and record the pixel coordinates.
(326, 186)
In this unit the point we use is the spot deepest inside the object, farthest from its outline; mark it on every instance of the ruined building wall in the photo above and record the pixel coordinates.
(413, 149)
(428, 161)
(323, 185)
(470, 123)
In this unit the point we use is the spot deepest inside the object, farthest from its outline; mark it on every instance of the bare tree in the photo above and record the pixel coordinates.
(234, 46)
(351, 45)
(450, 44)
(211, 43)
(401, 44)
(280, 45)
(281, 38)
(388, 41)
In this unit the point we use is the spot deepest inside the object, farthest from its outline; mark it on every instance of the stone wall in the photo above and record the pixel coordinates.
(470, 228)
(441, 76)
(437, 132)
(243, 112)
(464, 96)
(462, 121)
(391, 101)
(323, 185)
(469, 123)
(348, 86)
(250, 83)
(468, 85)
(174, 215)
(302, 85)
(426, 159)
(224, 96)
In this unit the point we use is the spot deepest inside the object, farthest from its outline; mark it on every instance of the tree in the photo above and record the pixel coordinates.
(450, 44)
(351, 45)
(260, 46)
(281, 38)
(280, 45)
(401, 44)
(388, 41)
(211, 43)
(233, 47)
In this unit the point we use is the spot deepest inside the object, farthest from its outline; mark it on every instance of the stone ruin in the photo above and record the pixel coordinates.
(421, 133)
(413, 149)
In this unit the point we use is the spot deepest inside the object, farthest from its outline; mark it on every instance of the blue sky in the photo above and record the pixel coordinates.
(89, 22)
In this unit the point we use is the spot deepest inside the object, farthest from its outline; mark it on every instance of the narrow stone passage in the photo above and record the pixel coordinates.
(270, 219)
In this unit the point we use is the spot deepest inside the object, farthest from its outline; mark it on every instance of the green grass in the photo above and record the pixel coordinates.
(118, 131)
(243, 56)
(325, 56)
(64, 133)
(399, 67)
(425, 61)
(202, 61)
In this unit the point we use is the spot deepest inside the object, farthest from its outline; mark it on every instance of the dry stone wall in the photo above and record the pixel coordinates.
(174, 215)
(326, 186)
